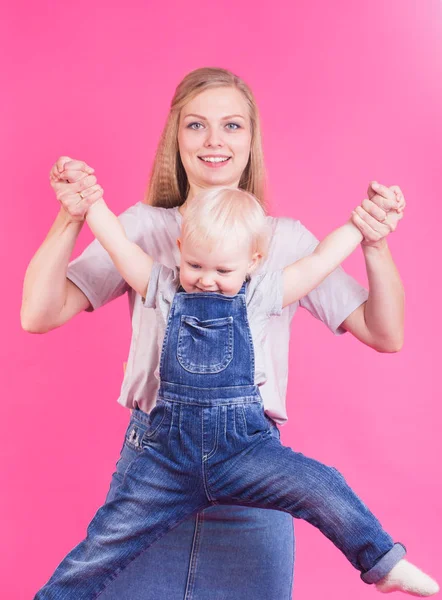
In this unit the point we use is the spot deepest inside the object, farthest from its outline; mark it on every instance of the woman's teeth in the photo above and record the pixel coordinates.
(215, 160)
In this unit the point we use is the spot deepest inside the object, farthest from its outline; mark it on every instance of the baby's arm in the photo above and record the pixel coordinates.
(130, 260)
(302, 276)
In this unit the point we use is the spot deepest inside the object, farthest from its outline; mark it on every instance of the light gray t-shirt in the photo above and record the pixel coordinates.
(264, 295)
(156, 231)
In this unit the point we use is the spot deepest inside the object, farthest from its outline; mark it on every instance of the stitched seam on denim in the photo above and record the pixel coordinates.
(119, 569)
(220, 321)
(191, 575)
(191, 367)
(290, 592)
(244, 420)
(223, 387)
(192, 393)
(218, 402)
(149, 435)
(180, 412)
(215, 446)
(166, 336)
(203, 467)
(251, 347)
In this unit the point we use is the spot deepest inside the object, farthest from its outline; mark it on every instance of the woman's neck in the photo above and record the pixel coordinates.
(193, 191)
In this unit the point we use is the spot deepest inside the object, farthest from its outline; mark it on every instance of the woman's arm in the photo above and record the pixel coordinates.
(379, 322)
(49, 298)
(131, 261)
(305, 274)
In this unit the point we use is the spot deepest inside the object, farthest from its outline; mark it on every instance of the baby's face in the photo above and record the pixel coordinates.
(222, 270)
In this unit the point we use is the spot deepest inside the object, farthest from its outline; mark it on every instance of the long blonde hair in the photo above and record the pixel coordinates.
(168, 184)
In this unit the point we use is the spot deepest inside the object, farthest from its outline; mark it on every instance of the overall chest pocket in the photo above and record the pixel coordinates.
(205, 346)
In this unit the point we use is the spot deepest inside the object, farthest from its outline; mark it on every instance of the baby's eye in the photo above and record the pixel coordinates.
(193, 266)
(195, 126)
(223, 271)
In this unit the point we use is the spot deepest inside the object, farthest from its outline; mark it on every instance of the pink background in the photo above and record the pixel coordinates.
(348, 91)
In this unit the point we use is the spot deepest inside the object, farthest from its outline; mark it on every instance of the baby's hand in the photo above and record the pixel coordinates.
(399, 197)
(380, 213)
(75, 186)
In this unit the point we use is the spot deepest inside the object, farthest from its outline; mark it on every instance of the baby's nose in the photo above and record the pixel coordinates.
(206, 281)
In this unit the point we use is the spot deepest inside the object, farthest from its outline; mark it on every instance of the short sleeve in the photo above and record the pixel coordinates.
(337, 296)
(265, 293)
(162, 280)
(95, 273)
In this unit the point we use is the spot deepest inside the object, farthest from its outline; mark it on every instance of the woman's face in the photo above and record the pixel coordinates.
(214, 138)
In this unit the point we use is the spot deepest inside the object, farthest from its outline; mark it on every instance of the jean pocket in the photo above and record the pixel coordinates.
(205, 346)
(255, 421)
(158, 417)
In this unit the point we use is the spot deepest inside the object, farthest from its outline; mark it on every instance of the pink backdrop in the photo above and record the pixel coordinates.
(348, 91)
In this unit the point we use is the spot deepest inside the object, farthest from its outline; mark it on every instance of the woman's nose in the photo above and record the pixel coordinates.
(214, 138)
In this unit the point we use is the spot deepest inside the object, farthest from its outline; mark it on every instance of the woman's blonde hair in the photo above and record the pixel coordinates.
(168, 184)
(219, 215)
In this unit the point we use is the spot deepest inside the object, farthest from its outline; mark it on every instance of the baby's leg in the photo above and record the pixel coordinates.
(150, 501)
(270, 475)
(405, 577)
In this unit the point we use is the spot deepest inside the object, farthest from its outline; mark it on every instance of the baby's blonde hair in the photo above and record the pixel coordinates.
(222, 213)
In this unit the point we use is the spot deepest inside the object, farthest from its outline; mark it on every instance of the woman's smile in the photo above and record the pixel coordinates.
(214, 161)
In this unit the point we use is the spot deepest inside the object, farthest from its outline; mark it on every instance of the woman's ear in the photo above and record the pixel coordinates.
(254, 261)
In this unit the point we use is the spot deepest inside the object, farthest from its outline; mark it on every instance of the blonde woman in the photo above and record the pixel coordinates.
(212, 137)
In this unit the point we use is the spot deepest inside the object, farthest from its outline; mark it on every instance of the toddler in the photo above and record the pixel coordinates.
(208, 440)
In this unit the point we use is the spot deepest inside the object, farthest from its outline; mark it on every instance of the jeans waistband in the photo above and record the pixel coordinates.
(240, 394)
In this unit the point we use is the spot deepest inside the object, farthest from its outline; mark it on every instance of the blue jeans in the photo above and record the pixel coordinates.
(208, 442)
(249, 552)
(241, 462)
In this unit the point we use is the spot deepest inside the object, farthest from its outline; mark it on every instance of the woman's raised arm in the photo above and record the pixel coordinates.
(49, 298)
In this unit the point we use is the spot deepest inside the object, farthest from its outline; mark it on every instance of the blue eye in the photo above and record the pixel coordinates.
(223, 271)
(235, 126)
(192, 126)
(194, 266)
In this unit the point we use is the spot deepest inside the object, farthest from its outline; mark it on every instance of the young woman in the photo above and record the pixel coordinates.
(211, 138)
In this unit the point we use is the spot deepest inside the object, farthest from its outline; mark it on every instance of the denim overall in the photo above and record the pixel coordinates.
(208, 441)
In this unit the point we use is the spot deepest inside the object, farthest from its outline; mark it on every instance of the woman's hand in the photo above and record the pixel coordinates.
(75, 186)
(379, 214)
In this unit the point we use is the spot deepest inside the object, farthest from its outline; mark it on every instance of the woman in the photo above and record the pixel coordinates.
(212, 137)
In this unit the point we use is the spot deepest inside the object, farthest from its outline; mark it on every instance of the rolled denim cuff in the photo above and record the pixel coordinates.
(384, 564)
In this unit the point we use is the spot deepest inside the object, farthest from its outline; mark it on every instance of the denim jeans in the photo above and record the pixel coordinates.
(208, 442)
(249, 552)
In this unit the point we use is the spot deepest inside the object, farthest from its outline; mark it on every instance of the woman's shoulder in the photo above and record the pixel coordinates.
(140, 219)
(159, 215)
(152, 219)
(282, 224)
(148, 212)
(290, 237)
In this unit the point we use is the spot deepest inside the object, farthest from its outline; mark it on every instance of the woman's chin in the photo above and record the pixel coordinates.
(220, 179)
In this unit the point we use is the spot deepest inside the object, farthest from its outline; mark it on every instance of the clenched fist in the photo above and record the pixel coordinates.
(75, 186)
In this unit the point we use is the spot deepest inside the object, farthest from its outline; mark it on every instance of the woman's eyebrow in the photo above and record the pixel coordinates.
(222, 118)
(233, 117)
(194, 116)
